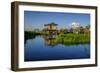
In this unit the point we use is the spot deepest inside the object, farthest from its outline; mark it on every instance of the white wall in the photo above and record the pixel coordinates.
(5, 28)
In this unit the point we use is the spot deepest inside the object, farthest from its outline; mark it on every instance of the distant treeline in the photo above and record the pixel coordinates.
(30, 34)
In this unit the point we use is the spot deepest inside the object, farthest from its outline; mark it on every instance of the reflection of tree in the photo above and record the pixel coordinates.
(29, 35)
(27, 38)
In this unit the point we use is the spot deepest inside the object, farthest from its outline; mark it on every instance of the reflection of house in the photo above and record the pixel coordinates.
(50, 29)
(49, 41)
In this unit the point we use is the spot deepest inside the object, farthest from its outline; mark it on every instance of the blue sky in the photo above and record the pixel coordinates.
(36, 19)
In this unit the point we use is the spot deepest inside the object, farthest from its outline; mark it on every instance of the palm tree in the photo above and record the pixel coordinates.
(87, 29)
(81, 29)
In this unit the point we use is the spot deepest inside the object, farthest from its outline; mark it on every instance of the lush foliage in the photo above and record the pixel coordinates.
(73, 38)
(30, 34)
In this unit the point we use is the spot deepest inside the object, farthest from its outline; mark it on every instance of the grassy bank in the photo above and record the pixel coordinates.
(72, 38)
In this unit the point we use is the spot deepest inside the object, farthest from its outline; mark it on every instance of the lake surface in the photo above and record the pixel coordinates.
(39, 49)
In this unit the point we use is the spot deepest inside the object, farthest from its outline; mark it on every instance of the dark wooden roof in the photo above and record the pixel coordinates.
(51, 24)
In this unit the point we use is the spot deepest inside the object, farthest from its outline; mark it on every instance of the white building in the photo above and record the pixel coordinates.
(75, 27)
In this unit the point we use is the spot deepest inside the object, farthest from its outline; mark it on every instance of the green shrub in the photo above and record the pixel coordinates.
(73, 38)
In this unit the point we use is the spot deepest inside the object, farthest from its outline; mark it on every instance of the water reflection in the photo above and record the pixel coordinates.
(40, 48)
(49, 40)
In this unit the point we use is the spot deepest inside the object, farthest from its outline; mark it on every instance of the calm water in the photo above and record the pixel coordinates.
(39, 49)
